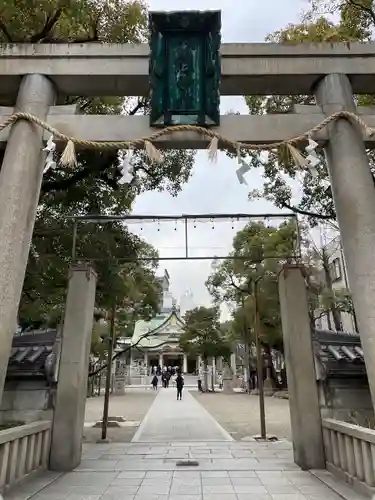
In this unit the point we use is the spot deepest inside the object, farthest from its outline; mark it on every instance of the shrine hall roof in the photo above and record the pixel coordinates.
(29, 353)
(163, 328)
(338, 354)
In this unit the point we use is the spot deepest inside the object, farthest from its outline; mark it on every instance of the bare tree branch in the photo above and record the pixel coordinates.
(48, 26)
(4, 29)
(141, 104)
(241, 290)
(305, 212)
(323, 313)
(123, 351)
(362, 7)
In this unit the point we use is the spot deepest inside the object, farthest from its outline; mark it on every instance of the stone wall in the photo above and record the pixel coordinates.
(347, 399)
(27, 401)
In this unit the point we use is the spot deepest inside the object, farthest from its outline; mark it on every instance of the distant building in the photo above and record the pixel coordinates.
(155, 343)
(338, 272)
(187, 302)
(166, 300)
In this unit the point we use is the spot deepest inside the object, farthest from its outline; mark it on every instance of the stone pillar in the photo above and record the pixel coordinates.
(227, 379)
(233, 364)
(120, 369)
(299, 358)
(69, 413)
(354, 196)
(129, 375)
(20, 181)
(213, 371)
(161, 361)
(185, 364)
(146, 360)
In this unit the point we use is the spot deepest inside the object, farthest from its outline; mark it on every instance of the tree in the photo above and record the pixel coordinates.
(257, 256)
(258, 253)
(356, 21)
(203, 336)
(92, 186)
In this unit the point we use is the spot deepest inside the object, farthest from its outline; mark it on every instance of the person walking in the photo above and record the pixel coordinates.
(155, 382)
(179, 385)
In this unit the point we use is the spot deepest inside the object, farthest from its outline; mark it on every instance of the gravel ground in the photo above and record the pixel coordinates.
(239, 414)
(132, 406)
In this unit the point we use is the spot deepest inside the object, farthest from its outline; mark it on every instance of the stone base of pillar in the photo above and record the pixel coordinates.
(227, 380)
(268, 385)
(119, 387)
(227, 386)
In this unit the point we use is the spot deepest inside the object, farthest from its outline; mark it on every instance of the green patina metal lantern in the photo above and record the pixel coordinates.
(185, 68)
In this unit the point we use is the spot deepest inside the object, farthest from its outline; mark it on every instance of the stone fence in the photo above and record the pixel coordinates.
(350, 453)
(23, 450)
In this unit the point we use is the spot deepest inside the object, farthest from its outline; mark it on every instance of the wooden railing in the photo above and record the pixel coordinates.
(23, 450)
(350, 450)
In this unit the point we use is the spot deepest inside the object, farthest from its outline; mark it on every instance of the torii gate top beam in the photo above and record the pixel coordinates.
(246, 68)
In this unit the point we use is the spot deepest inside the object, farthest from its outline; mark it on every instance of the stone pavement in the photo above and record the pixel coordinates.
(147, 468)
(171, 420)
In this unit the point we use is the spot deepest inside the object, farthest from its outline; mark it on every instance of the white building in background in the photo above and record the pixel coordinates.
(166, 299)
(187, 302)
(338, 271)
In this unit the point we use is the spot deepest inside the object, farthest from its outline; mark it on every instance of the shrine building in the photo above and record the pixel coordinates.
(156, 343)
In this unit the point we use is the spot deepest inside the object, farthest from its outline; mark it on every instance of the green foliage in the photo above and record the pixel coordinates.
(344, 301)
(92, 186)
(72, 21)
(355, 22)
(203, 334)
(264, 249)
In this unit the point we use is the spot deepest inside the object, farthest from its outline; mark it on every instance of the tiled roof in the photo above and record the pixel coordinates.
(29, 353)
(155, 332)
(339, 353)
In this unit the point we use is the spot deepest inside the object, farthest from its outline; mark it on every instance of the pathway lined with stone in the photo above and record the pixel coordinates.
(147, 468)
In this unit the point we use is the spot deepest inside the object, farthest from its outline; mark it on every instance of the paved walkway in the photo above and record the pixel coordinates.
(184, 420)
(147, 468)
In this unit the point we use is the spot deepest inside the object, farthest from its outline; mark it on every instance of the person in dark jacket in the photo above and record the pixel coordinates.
(179, 385)
(155, 382)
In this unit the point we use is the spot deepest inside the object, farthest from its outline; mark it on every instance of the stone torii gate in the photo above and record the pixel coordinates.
(33, 77)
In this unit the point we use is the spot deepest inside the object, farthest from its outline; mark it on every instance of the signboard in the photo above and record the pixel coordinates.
(185, 68)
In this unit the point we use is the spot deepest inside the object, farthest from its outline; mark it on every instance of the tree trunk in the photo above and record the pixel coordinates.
(269, 382)
(247, 366)
(328, 279)
(329, 323)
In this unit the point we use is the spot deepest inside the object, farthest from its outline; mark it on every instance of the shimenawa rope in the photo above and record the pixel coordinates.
(68, 157)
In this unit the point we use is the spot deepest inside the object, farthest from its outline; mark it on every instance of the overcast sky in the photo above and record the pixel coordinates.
(213, 188)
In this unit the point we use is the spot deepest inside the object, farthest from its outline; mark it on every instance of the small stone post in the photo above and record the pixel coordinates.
(20, 181)
(69, 415)
(354, 197)
(227, 379)
(185, 364)
(120, 377)
(299, 359)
